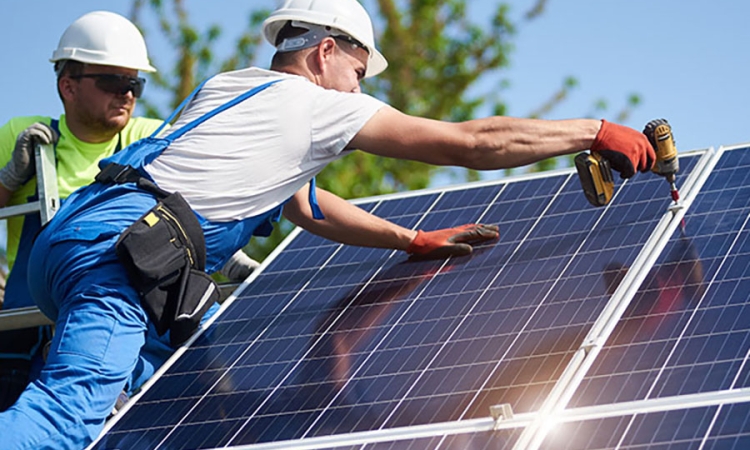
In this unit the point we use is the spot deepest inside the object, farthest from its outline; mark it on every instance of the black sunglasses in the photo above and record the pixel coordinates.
(116, 83)
(351, 40)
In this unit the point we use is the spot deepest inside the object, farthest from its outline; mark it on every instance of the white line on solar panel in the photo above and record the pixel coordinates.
(629, 285)
(400, 434)
(655, 405)
(587, 413)
(687, 324)
(718, 410)
(567, 384)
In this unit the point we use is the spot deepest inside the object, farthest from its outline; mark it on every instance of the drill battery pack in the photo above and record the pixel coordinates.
(595, 175)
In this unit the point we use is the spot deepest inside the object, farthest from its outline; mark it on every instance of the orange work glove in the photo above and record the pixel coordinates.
(450, 241)
(626, 149)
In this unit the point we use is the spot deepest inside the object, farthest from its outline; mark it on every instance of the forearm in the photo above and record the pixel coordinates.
(484, 144)
(505, 142)
(347, 223)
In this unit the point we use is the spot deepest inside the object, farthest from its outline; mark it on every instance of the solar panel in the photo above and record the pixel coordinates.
(687, 330)
(336, 342)
(710, 427)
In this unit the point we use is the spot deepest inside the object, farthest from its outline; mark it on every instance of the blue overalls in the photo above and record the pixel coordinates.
(21, 350)
(101, 326)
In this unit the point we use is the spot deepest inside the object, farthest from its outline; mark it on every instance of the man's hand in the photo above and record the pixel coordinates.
(626, 149)
(21, 167)
(450, 241)
(239, 267)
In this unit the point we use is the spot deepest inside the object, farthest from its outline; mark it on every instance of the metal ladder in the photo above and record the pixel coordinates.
(46, 206)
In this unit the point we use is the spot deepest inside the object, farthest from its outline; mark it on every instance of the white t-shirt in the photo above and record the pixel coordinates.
(252, 157)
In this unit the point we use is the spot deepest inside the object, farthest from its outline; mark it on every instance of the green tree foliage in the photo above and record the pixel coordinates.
(194, 59)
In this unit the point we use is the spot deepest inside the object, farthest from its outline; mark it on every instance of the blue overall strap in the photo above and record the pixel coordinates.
(179, 108)
(144, 151)
(239, 99)
(313, 199)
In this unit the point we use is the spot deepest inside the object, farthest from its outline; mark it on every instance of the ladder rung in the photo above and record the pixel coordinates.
(18, 210)
(19, 318)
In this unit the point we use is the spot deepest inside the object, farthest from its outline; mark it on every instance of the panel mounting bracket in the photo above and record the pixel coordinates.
(501, 412)
(675, 207)
(589, 345)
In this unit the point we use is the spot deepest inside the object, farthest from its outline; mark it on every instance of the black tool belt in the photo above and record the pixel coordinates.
(164, 253)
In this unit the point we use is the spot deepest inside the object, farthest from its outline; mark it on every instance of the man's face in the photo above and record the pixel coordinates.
(347, 67)
(97, 109)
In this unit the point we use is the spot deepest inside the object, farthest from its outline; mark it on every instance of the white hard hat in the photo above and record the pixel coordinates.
(346, 16)
(104, 38)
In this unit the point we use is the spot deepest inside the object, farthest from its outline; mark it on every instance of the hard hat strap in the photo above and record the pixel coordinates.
(313, 36)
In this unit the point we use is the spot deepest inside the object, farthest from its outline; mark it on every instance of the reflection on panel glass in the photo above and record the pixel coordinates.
(688, 328)
(332, 339)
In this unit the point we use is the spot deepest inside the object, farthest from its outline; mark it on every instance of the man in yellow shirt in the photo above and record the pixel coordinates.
(97, 63)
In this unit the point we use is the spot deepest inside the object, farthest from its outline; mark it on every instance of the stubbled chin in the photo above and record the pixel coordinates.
(123, 112)
(119, 119)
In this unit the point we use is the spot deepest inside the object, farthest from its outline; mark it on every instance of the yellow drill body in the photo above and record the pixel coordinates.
(667, 164)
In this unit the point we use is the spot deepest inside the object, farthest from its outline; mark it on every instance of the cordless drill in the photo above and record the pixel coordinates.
(595, 172)
(659, 133)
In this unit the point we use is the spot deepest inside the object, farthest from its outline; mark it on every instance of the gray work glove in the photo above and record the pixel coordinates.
(239, 267)
(21, 167)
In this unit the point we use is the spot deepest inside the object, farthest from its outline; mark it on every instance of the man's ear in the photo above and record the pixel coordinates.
(325, 51)
(66, 87)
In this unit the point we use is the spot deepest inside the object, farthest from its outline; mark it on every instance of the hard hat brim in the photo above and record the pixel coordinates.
(99, 58)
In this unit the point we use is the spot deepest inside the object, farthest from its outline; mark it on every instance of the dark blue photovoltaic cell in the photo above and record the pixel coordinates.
(333, 339)
(713, 427)
(688, 328)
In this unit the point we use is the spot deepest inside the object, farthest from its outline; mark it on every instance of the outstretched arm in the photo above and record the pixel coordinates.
(496, 142)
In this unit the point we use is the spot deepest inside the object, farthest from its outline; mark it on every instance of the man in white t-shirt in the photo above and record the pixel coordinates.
(237, 170)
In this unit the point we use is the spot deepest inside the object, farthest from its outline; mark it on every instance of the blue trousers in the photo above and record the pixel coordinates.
(101, 345)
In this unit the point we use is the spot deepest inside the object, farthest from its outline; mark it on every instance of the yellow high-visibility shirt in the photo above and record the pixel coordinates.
(77, 162)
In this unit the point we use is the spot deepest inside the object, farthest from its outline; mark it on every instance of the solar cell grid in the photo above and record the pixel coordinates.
(712, 427)
(331, 339)
(688, 328)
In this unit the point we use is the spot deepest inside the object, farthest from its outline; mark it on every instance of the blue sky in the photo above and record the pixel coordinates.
(687, 60)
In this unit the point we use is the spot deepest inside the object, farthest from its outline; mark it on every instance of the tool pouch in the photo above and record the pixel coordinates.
(164, 253)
